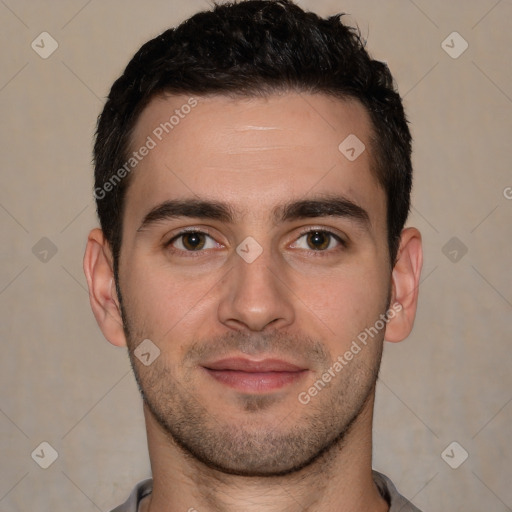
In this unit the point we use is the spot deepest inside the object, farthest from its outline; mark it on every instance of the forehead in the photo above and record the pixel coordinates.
(252, 152)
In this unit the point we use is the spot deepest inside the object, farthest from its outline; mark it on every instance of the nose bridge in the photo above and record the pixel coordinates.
(255, 297)
(257, 270)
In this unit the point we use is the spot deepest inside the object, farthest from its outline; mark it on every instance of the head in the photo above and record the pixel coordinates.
(242, 110)
(255, 49)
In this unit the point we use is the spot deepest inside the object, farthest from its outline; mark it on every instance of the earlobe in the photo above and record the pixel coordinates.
(405, 282)
(102, 290)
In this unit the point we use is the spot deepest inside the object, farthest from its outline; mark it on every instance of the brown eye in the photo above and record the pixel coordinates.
(318, 240)
(193, 241)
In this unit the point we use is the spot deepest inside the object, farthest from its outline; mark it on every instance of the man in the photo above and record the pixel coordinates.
(252, 181)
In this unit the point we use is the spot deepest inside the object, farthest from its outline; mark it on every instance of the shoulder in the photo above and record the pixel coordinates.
(389, 492)
(141, 490)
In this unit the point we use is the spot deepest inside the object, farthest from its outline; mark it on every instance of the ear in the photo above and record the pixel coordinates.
(405, 282)
(99, 273)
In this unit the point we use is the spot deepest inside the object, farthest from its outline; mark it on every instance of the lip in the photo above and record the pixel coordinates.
(251, 366)
(252, 376)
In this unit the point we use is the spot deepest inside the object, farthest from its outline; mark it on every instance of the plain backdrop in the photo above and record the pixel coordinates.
(63, 384)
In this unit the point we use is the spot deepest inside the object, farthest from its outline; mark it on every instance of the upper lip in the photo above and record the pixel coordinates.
(249, 365)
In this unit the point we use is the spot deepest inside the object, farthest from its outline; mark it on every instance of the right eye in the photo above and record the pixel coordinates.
(192, 241)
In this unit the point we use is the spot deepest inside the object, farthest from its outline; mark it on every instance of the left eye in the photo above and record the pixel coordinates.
(193, 241)
(317, 240)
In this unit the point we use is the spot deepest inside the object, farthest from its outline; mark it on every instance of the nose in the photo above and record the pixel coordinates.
(255, 296)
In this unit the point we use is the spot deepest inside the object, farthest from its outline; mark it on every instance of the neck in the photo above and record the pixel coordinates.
(340, 480)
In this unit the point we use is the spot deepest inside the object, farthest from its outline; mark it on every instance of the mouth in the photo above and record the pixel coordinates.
(252, 376)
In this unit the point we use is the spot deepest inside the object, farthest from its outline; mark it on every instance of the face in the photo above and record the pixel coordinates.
(254, 254)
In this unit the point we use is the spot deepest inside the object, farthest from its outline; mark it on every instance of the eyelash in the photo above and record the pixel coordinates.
(316, 253)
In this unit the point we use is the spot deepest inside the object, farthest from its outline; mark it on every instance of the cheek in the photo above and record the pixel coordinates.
(346, 301)
(161, 302)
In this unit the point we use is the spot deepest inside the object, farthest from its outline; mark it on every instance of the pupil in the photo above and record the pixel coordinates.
(318, 240)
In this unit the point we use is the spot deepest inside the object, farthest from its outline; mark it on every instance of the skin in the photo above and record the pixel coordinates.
(304, 299)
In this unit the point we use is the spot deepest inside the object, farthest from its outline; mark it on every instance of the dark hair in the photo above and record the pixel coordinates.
(255, 48)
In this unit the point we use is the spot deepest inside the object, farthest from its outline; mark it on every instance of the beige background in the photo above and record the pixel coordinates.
(62, 383)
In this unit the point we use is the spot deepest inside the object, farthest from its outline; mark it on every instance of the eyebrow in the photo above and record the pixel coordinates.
(325, 206)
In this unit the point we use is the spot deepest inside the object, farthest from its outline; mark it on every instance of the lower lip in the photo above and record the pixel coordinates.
(256, 382)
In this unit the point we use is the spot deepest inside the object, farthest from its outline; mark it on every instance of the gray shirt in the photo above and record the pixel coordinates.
(397, 503)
